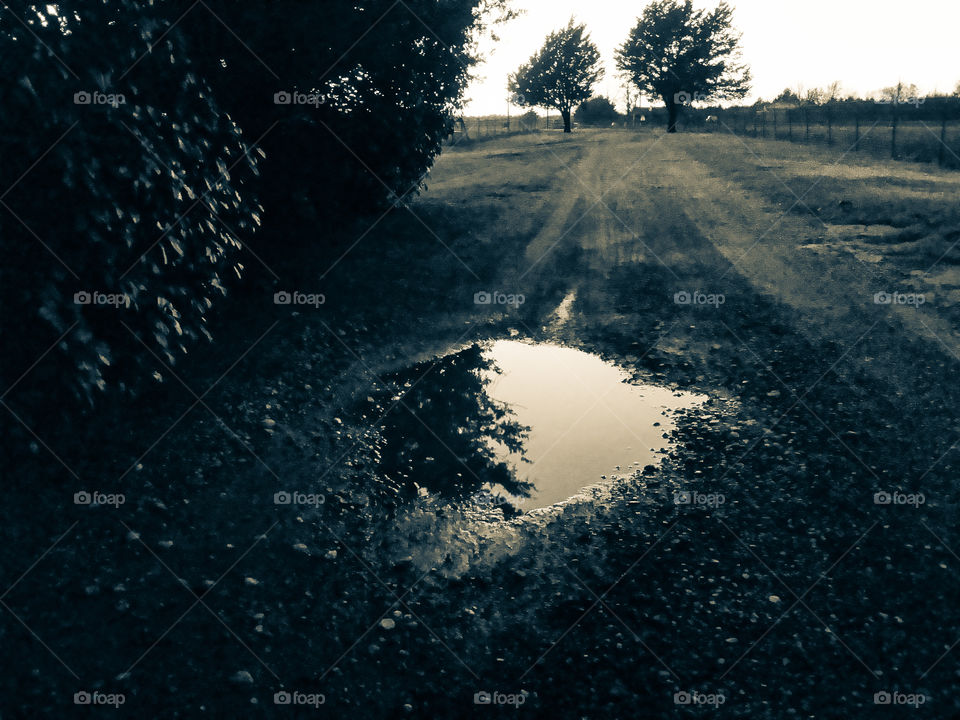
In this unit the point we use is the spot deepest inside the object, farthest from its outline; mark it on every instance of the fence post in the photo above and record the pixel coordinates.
(790, 125)
(774, 123)
(806, 120)
(763, 124)
(943, 141)
(893, 136)
(829, 125)
(856, 133)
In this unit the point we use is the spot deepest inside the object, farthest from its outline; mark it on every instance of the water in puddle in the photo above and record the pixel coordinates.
(526, 424)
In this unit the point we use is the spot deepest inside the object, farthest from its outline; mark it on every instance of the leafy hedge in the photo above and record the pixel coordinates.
(121, 181)
(131, 136)
(377, 81)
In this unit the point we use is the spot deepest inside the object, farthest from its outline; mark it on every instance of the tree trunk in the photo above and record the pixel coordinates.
(565, 113)
(672, 112)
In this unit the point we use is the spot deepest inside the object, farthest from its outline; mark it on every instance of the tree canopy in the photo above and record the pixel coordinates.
(143, 145)
(597, 111)
(681, 55)
(367, 87)
(561, 74)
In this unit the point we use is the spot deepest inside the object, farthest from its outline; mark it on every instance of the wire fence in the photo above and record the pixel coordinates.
(913, 132)
(904, 132)
(478, 128)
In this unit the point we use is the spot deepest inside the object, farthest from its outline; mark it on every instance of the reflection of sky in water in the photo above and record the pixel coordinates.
(584, 419)
(532, 423)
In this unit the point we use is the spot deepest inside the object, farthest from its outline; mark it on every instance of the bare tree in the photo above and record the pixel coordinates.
(900, 94)
(815, 96)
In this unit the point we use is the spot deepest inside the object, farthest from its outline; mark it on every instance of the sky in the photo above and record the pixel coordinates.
(865, 44)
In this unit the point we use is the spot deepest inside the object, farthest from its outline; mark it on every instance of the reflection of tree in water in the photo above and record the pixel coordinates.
(444, 431)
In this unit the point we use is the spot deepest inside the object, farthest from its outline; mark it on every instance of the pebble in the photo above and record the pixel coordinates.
(242, 677)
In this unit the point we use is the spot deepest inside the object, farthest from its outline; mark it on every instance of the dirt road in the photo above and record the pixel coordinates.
(658, 200)
(743, 272)
(837, 394)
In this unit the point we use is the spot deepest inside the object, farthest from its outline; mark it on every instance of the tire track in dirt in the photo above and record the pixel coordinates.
(834, 295)
(831, 298)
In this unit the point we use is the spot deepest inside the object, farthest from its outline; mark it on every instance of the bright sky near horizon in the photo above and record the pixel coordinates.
(865, 44)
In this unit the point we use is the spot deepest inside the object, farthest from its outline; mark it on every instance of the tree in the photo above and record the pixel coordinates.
(529, 120)
(128, 202)
(900, 94)
(815, 96)
(597, 111)
(136, 178)
(561, 75)
(787, 97)
(681, 56)
(351, 112)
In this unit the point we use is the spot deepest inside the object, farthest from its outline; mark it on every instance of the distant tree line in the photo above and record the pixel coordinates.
(903, 100)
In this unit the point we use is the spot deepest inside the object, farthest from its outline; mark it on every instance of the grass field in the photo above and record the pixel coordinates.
(914, 141)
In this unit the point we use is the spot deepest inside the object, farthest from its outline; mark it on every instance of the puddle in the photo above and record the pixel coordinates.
(520, 425)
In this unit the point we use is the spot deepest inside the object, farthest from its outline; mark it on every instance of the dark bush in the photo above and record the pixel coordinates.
(597, 111)
(119, 176)
(377, 81)
(143, 188)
